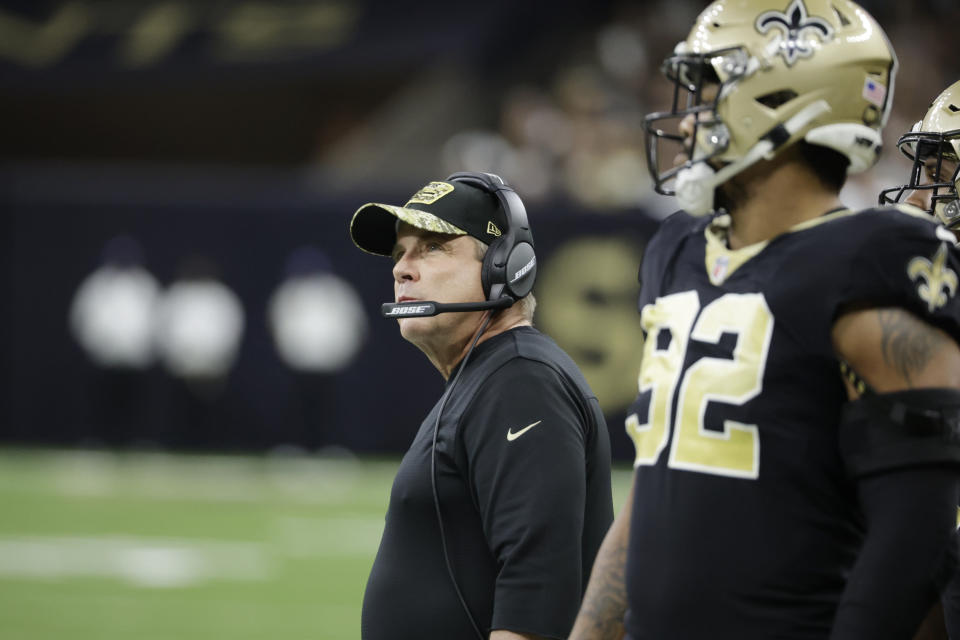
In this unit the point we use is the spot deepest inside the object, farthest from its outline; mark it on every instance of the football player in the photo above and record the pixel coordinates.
(934, 147)
(796, 431)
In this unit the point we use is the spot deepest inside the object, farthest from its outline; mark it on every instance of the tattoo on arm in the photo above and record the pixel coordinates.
(907, 342)
(601, 614)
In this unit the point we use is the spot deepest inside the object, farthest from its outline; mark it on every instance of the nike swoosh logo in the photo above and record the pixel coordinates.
(511, 436)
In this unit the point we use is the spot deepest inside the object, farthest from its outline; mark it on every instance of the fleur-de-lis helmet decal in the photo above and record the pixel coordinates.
(757, 76)
(797, 28)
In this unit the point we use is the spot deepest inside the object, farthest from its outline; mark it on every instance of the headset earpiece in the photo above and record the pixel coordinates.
(487, 275)
(510, 264)
(521, 270)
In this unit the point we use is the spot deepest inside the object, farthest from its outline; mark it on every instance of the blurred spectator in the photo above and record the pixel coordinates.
(318, 326)
(112, 314)
(316, 317)
(200, 323)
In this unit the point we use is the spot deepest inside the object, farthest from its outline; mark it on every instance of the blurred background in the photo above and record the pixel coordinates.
(202, 410)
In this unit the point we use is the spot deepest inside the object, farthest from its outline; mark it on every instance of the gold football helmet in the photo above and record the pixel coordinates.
(756, 76)
(934, 147)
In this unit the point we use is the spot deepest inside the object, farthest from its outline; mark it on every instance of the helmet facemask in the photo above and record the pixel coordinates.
(702, 82)
(697, 90)
(934, 147)
(935, 169)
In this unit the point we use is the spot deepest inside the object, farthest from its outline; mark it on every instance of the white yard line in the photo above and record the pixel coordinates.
(178, 562)
(143, 562)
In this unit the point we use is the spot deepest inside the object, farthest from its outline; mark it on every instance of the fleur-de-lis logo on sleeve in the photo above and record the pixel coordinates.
(797, 29)
(936, 281)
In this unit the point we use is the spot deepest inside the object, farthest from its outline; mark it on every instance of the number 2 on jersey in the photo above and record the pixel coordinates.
(734, 451)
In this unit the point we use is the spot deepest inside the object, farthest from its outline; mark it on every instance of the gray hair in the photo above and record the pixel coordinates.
(525, 305)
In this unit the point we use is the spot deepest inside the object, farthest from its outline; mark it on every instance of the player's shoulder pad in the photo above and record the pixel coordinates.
(895, 220)
(898, 256)
(895, 233)
(681, 223)
(669, 236)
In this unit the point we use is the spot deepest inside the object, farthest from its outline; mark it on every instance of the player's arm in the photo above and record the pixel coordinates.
(933, 627)
(899, 443)
(605, 602)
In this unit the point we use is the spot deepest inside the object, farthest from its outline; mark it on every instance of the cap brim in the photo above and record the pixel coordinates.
(373, 227)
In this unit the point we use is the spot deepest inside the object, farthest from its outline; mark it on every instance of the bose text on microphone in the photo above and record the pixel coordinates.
(426, 308)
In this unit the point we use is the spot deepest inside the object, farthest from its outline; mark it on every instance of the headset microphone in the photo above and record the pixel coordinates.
(426, 308)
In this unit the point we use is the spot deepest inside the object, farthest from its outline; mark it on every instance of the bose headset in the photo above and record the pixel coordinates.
(509, 266)
(508, 273)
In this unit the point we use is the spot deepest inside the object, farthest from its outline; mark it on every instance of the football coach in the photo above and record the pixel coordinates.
(503, 498)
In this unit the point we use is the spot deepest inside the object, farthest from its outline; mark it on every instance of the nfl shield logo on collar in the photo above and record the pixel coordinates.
(718, 272)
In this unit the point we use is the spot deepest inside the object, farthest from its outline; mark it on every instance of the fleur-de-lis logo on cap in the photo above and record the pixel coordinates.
(797, 29)
(937, 282)
(431, 193)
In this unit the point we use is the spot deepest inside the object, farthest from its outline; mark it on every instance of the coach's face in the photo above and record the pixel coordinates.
(442, 268)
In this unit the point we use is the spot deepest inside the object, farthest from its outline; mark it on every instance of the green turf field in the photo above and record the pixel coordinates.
(150, 546)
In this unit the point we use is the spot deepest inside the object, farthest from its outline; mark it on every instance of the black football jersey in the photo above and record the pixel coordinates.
(744, 520)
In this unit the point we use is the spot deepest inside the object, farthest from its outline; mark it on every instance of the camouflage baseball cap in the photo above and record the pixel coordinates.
(453, 207)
